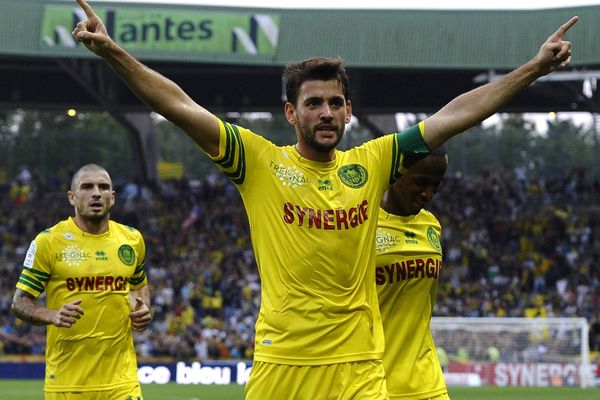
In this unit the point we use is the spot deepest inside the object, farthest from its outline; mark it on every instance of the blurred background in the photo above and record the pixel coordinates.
(519, 207)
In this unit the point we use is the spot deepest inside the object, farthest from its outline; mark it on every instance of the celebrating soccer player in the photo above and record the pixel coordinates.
(312, 210)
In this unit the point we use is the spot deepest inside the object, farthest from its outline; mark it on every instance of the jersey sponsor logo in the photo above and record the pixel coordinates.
(68, 236)
(418, 268)
(338, 219)
(30, 256)
(353, 175)
(385, 240)
(96, 283)
(410, 238)
(325, 184)
(289, 176)
(72, 255)
(101, 255)
(434, 239)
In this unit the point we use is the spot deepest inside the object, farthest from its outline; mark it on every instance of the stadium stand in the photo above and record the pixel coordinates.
(515, 246)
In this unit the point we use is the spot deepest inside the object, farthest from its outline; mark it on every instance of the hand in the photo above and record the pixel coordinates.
(555, 52)
(140, 316)
(92, 32)
(67, 315)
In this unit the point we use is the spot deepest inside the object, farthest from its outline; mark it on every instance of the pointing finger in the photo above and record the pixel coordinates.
(89, 11)
(559, 32)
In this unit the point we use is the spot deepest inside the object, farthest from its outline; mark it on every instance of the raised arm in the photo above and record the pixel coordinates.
(160, 93)
(471, 108)
(26, 308)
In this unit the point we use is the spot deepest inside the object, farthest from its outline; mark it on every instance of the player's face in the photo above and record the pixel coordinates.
(93, 196)
(418, 186)
(320, 115)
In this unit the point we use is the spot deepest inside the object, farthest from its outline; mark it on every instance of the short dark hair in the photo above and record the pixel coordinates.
(315, 68)
(85, 168)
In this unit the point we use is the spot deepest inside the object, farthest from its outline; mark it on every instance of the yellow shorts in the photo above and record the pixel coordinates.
(129, 393)
(361, 380)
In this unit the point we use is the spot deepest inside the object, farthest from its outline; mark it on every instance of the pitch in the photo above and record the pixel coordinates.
(32, 390)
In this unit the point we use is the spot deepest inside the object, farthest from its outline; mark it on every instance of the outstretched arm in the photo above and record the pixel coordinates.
(476, 105)
(160, 93)
(26, 308)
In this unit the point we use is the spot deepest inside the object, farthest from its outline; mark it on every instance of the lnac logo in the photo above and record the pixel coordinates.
(72, 256)
(385, 240)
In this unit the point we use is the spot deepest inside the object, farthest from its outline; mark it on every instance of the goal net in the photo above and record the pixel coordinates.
(514, 351)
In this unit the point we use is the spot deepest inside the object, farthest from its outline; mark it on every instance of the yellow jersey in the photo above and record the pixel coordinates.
(313, 227)
(409, 261)
(68, 264)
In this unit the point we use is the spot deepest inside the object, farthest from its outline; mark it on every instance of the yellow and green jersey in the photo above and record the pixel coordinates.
(409, 262)
(68, 264)
(313, 227)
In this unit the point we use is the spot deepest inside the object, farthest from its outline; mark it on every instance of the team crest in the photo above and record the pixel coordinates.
(126, 254)
(353, 175)
(434, 239)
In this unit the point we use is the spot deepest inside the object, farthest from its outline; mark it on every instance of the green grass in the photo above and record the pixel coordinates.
(524, 393)
(33, 390)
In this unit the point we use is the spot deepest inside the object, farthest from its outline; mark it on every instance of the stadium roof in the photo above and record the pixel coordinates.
(230, 58)
(436, 39)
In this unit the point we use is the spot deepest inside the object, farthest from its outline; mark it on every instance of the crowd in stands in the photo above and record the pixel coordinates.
(514, 246)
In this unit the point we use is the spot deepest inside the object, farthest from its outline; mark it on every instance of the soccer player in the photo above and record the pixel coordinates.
(409, 262)
(312, 210)
(92, 271)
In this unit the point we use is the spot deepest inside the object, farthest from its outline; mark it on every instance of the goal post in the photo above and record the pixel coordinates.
(514, 351)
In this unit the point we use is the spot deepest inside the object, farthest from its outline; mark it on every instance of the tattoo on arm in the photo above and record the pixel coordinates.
(26, 308)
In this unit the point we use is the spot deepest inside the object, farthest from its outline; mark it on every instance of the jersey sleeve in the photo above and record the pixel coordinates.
(239, 151)
(139, 278)
(37, 266)
(232, 156)
(408, 147)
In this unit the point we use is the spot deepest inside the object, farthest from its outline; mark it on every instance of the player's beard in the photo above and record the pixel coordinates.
(309, 136)
(95, 218)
